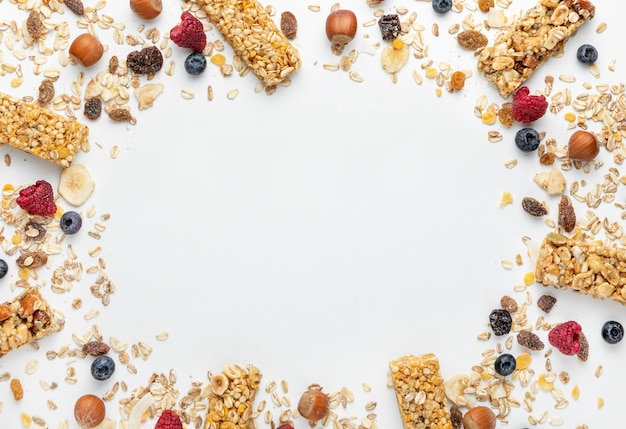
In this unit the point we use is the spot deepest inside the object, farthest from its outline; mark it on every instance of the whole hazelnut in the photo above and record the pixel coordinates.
(146, 9)
(89, 411)
(479, 418)
(583, 146)
(86, 49)
(314, 404)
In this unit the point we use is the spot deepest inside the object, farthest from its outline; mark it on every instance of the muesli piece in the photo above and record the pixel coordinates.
(39, 131)
(532, 39)
(420, 392)
(25, 319)
(583, 265)
(255, 38)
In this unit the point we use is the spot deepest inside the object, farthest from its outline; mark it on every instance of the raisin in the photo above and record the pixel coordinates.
(457, 80)
(34, 25)
(533, 207)
(76, 6)
(509, 304)
(500, 321)
(16, 389)
(120, 114)
(472, 40)
(35, 232)
(46, 92)
(289, 25)
(583, 353)
(485, 5)
(389, 26)
(567, 215)
(96, 348)
(530, 340)
(32, 260)
(505, 114)
(93, 108)
(146, 61)
(456, 417)
(546, 302)
(547, 158)
(113, 63)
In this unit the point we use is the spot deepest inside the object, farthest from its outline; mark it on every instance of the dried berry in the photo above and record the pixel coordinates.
(31, 260)
(16, 389)
(546, 302)
(457, 80)
(389, 26)
(189, 33)
(96, 348)
(76, 6)
(146, 61)
(485, 5)
(114, 62)
(456, 417)
(566, 337)
(289, 25)
(41, 319)
(505, 114)
(120, 114)
(533, 207)
(528, 108)
(547, 158)
(169, 420)
(500, 321)
(93, 108)
(472, 39)
(530, 340)
(34, 26)
(567, 215)
(37, 199)
(46, 91)
(583, 353)
(509, 304)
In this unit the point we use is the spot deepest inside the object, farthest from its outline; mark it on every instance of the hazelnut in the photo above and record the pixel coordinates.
(479, 418)
(89, 411)
(146, 9)
(314, 404)
(583, 146)
(86, 49)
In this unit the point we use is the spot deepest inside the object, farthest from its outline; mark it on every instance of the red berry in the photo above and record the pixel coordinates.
(528, 108)
(169, 420)
(566, 337)
(38, 199)
(189, 33)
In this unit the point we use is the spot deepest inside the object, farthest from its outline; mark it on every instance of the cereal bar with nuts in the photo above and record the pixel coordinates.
(25, 319)
(533, 38)
(255, 38)
(40, 131)
(231, 395)
(584, 265)
(420, 393)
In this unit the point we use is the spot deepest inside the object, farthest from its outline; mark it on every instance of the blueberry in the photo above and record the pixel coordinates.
(102, 368)
(587, 54)
(612, 332)
(442, 6)
(505, 364)
(4, 267)
(71, 222)
(527, 139)
(195, 63)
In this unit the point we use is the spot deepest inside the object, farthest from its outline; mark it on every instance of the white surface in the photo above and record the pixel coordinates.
(317, 233)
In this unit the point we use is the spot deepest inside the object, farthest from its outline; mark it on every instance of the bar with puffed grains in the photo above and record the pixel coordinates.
(39, 131)
(419, 390)
(535, 37)
(255, 38)
(583, 265)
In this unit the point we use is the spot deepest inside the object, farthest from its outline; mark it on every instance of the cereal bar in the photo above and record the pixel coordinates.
(39, 131)
(25, 319)
(533, 38)
(420, 393)
(255, 38)
(584, 265)
(231, 396)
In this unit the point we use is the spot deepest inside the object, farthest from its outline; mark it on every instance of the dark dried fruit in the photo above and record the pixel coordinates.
(456, 417)
(505, 114)
(389, 26)
(76, 6)
(530, 340)
(583, 353)
(472, 39)
(34, 231)
(46, 92)
(146, 61)
(31, 260)
(567, 215)
(93, 108)
(34, 25)
(120, 114)
(96, 348)
(113, 63)
(41, 319)
(546, 302)
(533, 207)
(500, 321)
(289, 25)
(509, 304)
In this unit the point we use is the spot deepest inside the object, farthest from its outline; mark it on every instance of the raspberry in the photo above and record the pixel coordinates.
(189, 33)
(566, 337)
(528, 108)
(169, 420)
(37, 199)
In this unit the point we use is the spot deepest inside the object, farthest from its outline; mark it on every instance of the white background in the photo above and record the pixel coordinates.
(317, 233)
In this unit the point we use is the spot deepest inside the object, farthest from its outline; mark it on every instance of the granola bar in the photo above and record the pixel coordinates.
(583, 265)
(533, 38)
(230, 404)
(255, 38)
(420, 393)
(25, 319)
(39, 131)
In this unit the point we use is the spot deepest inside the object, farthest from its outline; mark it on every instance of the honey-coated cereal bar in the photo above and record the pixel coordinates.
(419, 390)
(25, 319)
(255, 38)
(40, 131)
(539, 34)
(583, 265)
